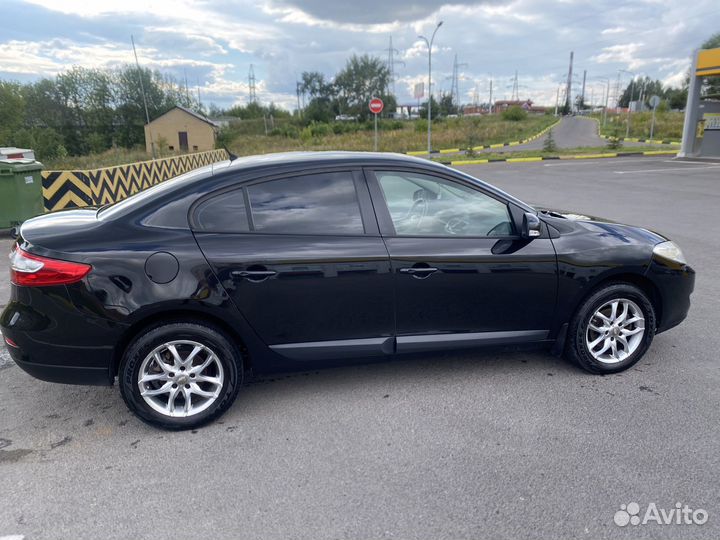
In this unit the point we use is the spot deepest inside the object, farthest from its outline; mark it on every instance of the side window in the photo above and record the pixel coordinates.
(224, 213)
(422, 205)
(313, 204)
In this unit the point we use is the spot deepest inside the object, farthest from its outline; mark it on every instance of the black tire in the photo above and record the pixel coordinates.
(576, 348)
(215, 339)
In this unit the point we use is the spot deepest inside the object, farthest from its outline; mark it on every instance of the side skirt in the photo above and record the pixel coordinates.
(385, 346)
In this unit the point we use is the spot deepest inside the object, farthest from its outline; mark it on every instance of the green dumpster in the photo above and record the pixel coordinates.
(21, 194)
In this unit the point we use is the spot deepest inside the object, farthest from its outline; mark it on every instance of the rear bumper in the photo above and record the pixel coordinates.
(99, 376)
(57, 342)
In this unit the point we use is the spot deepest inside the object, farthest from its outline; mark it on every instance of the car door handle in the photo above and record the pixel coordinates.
(419, 271)
(253, 275)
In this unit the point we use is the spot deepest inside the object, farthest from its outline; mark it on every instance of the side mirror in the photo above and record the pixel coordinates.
(531, 227)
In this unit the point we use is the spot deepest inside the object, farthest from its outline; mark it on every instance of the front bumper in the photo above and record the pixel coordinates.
(675, 283)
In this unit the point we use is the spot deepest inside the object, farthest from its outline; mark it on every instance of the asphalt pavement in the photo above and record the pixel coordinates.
(571, 132)
(461, 446)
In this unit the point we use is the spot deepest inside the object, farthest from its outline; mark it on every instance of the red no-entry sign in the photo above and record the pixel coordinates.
(376, 105)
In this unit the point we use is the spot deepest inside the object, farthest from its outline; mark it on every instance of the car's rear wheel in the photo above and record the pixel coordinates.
(180, 375)
(612, 329)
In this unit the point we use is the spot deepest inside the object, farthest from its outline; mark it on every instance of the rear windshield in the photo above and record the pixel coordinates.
(124, 207)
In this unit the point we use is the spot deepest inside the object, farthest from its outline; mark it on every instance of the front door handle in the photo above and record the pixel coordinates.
(419, 272)
(253, 275)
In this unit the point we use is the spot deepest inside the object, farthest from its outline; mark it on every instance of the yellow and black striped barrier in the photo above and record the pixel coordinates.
(68, 189)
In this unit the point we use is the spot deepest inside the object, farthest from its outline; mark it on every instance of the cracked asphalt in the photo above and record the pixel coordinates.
(484, 444)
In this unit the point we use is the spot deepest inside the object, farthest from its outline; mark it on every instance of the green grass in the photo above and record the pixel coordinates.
(668, 125)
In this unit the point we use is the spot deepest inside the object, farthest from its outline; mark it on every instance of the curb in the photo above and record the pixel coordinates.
(486, 146)
(548, 158)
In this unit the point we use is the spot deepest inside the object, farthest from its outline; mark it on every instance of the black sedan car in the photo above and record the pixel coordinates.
(288, 261)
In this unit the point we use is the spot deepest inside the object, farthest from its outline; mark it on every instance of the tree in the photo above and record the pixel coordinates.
(363, 78)
(549, 143)
(435, 112)
(322, 106)
(447, 105)
(12, 109)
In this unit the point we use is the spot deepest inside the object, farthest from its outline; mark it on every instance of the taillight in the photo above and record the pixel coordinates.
(31, 270)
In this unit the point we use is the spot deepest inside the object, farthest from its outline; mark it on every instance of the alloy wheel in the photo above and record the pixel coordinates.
(615, 331)
(180, 378)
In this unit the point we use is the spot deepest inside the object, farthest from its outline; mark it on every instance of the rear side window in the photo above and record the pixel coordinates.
(314, 204)
(224, 213)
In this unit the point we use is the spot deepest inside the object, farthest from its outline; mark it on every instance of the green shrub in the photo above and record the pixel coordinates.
(514, 114)
(421, 125)
(320, 129)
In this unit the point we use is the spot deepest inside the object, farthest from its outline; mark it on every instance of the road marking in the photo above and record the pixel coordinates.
(642, 171)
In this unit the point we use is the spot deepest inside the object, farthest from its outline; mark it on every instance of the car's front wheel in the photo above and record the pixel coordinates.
(180, 375)
(611, 329)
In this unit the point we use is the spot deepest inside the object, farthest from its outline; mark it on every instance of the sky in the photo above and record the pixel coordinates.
(214, 42)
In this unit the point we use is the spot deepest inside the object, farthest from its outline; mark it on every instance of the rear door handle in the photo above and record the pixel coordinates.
(253, 275)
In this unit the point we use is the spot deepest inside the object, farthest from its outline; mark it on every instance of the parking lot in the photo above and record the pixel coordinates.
(461, 445)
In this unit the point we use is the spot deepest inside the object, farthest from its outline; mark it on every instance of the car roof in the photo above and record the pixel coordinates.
(326, 158)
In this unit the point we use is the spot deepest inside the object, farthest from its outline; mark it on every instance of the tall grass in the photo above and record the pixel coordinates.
(668, 125)
(409, 136)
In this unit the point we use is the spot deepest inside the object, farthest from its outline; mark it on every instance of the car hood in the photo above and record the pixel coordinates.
(606, 227)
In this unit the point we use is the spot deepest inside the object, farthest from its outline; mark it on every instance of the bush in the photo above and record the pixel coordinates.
(421, 125)
(613, 141)
(320, 129)
(514, 114)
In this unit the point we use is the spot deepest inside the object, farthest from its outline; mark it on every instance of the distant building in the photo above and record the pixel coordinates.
(180, 130)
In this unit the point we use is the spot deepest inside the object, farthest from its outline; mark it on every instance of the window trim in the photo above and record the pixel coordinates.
(362, 194)
(387, 227)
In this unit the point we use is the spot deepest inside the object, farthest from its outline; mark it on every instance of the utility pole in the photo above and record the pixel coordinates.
(632, 95)
(297, 91)
(252, 95)
(187, 90)
(607, 97)
(568, 90)
(198, 93)
(142, 89)
(429, 46)
(491, 101)
(582, 94)
(391, 62)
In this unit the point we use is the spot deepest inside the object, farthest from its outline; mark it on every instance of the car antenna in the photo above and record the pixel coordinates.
(231, 156)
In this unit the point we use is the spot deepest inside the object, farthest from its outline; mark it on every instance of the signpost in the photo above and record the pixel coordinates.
(376, 106)
(654, 102)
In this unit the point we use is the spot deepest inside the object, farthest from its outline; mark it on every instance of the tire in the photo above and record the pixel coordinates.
(581, 334)
(210, 372)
